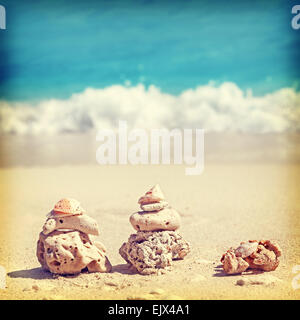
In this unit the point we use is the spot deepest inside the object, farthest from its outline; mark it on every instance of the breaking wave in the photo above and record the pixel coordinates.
(219, 109)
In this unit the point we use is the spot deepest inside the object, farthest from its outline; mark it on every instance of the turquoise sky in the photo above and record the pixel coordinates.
(52, 49)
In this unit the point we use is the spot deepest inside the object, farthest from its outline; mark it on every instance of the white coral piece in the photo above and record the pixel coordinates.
(151, 252)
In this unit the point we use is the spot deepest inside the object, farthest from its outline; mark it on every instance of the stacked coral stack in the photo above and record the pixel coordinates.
(66, 244)
(156, 243)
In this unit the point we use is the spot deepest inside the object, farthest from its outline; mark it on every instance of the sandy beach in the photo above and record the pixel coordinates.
(227, 204)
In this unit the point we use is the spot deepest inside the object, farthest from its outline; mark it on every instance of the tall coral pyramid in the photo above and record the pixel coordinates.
(157, 243)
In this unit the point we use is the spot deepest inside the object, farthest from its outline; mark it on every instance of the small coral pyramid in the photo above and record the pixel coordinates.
(261, 255)
(156, 243)
(66, 246)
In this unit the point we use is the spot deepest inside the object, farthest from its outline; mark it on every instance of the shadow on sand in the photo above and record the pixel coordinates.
(124, 269)
(34, 273)
(221, 273)
(40, 274)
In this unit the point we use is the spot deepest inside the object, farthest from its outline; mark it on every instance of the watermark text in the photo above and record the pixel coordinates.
(296, 279)
(155, 146)
(2, 18)
(296, 19)
(2, 278)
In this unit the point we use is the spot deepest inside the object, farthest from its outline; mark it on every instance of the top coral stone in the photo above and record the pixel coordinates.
(68, 206)
(152, 196)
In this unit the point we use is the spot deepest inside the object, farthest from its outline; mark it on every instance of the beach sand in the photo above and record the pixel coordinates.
(227, 204)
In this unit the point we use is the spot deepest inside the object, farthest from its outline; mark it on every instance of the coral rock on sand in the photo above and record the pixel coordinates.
(233, 264)
(149, 252)
(82, 223)
(66, 207)
(165, 219)
(155, 206)
(156, 243)
(65, 246)
(245, 249)
(154, 195)
(263, 259)
(262, 255)
(68, 252)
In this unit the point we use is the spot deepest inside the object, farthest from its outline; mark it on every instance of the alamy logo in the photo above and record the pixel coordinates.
(296, 19)
(154, 146)
(2, 18)
(2, 278)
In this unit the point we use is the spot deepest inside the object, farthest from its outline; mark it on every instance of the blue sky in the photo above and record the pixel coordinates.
(52, 49)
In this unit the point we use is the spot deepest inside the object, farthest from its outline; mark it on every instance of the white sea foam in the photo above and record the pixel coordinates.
(223, 108)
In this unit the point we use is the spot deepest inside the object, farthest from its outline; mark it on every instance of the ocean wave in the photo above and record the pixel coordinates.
(218, 109)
